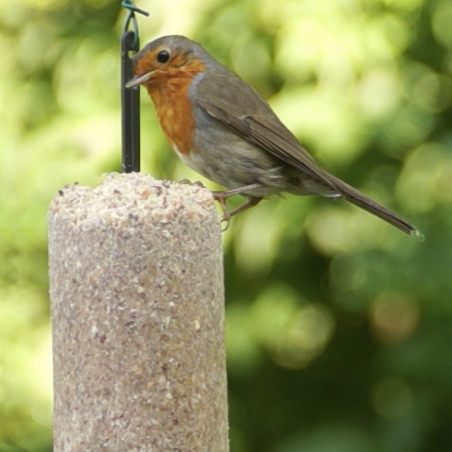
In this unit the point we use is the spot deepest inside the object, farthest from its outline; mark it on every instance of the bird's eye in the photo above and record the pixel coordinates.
(163, 56)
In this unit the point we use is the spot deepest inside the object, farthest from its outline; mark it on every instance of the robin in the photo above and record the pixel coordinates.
(219, 126)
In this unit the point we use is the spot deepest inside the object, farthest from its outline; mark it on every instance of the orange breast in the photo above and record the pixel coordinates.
(174, 111)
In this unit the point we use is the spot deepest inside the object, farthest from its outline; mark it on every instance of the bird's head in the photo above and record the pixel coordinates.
(169, 57)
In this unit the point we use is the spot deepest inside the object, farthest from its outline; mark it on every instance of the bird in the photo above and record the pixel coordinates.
(223, 129)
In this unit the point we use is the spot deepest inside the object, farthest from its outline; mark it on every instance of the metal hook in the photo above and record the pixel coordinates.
(131, 18)
(131, 7)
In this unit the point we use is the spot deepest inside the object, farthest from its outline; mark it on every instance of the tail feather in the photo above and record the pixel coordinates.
(359, 199)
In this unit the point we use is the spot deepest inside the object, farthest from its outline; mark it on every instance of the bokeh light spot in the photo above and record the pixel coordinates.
(425, 180)
(392, 398)
(305, 337)
(394, 316)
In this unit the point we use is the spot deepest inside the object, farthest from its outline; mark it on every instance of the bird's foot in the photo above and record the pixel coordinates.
(222, 196)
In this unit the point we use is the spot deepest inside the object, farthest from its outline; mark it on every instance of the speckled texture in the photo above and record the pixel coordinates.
(137, 301)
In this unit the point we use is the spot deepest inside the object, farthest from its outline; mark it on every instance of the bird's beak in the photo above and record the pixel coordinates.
(139, 79)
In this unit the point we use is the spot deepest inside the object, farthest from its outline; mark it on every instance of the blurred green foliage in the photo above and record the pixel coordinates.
(338, 326)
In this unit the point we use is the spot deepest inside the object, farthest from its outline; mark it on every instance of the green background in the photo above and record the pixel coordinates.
(339, 327)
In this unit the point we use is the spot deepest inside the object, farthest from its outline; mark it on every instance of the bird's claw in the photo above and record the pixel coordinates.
(197, 183)
(222, 196)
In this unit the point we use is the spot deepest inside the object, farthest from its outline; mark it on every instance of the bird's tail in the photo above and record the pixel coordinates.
(359, 199)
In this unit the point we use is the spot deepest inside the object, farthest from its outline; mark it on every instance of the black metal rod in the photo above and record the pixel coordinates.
(130, 106)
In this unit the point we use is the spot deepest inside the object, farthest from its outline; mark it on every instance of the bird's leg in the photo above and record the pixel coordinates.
(235, 191)
(227, 214)
(252, 201)
(222, 196)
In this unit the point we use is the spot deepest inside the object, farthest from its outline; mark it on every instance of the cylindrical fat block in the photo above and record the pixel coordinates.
(137, 303)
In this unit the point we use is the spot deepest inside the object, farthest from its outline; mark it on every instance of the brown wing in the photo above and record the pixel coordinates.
(234, 103)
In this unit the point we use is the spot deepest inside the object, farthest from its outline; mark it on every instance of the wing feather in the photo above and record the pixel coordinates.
(264, 130)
